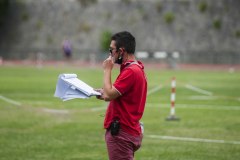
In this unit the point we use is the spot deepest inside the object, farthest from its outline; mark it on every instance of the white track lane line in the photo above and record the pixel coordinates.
(191, 139)
(10, 101)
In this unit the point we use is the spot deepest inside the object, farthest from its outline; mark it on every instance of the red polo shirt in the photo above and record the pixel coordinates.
(128, 108)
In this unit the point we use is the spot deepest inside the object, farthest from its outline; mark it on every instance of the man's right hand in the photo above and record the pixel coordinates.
(99, 96)
(108, 63)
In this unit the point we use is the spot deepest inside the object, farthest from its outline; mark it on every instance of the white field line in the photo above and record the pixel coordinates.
(96, 109)
(190, 106)
(56, 111)
(154, 90)
(203, 97)
(199, 90)
(10, 101)
(192, 139)
(194, 106)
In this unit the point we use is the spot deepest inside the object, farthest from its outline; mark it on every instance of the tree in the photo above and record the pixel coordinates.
(105, 40)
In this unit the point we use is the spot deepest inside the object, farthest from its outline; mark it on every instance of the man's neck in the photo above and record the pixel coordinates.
(129, 57)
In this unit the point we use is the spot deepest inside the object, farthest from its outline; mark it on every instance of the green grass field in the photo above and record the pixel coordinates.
(34, 125)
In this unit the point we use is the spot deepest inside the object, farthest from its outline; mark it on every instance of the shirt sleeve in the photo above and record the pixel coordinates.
(124, 81)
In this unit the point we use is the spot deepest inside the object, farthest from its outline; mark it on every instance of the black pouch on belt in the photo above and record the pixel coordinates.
(114, 128)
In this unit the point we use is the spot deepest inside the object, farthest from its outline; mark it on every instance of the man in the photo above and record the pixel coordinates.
(127, 96)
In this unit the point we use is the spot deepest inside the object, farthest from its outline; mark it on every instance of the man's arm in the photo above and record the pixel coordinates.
(109, 92)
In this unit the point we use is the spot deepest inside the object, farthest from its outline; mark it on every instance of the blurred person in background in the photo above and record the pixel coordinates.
(127, 96)
(67, 49)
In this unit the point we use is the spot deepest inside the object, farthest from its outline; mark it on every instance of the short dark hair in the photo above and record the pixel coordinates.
(126, 40)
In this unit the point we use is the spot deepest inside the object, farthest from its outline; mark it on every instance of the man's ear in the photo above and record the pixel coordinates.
(121, 51)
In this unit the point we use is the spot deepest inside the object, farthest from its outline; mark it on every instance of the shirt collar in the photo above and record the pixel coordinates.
(124, 65)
